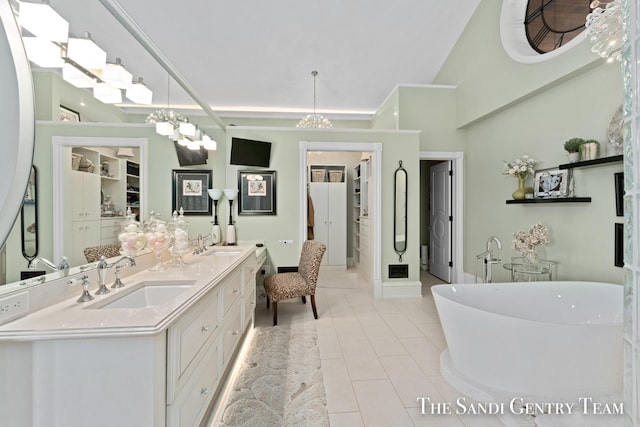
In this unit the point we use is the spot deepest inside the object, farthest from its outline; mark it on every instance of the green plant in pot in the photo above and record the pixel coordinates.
(572, 147)
(589, 150)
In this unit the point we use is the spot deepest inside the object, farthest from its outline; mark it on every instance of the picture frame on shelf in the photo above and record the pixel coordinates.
(619, 186)
(618, 256)
(69, 115)
(257, 192)
(551, 183)
(190, 191)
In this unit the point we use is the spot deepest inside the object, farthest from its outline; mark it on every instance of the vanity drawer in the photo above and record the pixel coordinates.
(249, 305)
(231, 333)
(231, 292)
(186, 337)
(192, 401)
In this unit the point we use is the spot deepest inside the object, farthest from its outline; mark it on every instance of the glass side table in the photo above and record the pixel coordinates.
(521, 271)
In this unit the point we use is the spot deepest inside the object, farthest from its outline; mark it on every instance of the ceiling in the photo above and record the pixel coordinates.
(254, 57)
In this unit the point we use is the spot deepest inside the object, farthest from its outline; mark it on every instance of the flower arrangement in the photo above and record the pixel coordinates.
(520, 168)
(527, 241)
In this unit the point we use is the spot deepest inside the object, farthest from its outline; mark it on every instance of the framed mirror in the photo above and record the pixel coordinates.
(400, 211)
(29, 218)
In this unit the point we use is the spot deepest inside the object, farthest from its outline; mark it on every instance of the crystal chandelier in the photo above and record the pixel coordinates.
(604, 29)
(314, 120)
(178, 128)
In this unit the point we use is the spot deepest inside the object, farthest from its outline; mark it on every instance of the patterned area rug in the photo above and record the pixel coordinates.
(280, 381)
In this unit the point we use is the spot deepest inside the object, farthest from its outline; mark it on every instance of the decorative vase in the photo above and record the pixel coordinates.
(521, 192)
(530, 257)
(573, 157)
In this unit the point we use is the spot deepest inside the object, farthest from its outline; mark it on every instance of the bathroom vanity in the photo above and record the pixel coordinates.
(154, 353)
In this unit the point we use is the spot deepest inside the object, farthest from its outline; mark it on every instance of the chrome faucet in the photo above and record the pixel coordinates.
(103, 266)
(63, 265)
(200, 244)
(84, 280)
(490, 259)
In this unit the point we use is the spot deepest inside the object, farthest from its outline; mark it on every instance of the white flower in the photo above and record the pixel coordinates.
(521, 167)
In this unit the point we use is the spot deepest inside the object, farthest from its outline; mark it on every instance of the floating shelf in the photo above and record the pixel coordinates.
(552, 200)
(584, 163)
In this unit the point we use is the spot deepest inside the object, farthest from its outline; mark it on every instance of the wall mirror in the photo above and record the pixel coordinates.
(29, 218)
(400, 211)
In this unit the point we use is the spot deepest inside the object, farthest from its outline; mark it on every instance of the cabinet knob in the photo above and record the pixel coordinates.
(204, 391)
(236, 332)
(236, 291)
(204, 329)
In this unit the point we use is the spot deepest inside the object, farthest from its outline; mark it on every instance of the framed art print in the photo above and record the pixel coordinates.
(257, 192)
(190, 191)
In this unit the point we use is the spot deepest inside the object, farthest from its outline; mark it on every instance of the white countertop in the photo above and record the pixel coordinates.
(70, 319)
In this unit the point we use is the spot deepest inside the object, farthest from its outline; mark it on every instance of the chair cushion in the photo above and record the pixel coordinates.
(283, 286)
(93, 253)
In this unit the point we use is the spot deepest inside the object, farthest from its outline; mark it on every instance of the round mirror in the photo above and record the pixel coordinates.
(16, 120)
(400, 211)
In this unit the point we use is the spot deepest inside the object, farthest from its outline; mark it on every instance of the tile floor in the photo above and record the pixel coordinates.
(378, 356)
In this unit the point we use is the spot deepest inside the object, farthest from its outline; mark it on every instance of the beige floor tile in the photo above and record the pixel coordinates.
(380, 405)
(424, 353)
(328, 344)
(361, 360)
(345, 419)
(383, 340)
(338, 387)
(402, 327)
(427, 420)
(433, 331)
(409, 380)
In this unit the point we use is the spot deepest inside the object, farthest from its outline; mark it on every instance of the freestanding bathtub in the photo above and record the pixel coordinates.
(540, 339)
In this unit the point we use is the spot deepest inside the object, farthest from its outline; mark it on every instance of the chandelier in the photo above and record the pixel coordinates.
(314, 120)
(178, 128)
(604, 29)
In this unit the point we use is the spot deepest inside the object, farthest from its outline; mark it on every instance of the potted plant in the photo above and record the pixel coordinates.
(589, 150)
(572, 147)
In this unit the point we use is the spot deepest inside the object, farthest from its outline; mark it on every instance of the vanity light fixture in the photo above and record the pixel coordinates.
(314, 120)
(42, 52)
(106, 93)
(86, 53)
(77, 78)
(43, 22)
(116, 75)
(208, 143)
(139, 93)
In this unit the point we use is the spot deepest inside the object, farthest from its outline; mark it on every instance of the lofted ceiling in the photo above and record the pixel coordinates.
(255, 57)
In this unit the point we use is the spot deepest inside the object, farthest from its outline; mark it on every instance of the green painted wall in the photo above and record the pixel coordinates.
(510, 109)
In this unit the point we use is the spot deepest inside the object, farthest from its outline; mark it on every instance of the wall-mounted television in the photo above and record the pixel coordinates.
(189, 157)
(248, 152)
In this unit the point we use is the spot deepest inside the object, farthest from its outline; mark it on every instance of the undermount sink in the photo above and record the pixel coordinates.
(149, 294)
(222, 252)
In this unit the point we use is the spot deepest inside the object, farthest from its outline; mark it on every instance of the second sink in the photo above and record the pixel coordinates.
(149, 294)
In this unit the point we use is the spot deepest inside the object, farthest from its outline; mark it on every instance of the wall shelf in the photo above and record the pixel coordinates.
(552, 200)
(595, 162)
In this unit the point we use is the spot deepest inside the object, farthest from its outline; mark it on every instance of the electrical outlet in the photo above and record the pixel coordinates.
(287, 242)
(14, 306)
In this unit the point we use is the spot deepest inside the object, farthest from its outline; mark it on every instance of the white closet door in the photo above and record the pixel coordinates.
(320, 199)
(337, 224)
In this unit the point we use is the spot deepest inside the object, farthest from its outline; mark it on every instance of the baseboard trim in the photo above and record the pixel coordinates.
(401, 289)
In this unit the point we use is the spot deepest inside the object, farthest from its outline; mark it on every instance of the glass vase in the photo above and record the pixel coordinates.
(521, 192)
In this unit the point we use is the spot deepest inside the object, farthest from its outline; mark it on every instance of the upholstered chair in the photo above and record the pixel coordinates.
(93, 253)
(282, 286)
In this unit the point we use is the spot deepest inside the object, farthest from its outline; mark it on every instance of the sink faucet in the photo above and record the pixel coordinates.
(103, 266)
(63, 265)
(200, 244)
(84, 280)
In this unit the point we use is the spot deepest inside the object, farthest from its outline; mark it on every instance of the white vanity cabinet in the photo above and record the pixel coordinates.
(111, 371)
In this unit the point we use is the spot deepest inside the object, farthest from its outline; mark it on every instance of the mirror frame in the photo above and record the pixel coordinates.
(18, 119)
(33, 179)
(400, 209)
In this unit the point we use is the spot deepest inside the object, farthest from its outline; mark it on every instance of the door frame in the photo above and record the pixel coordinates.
(457, 184)
(59, 166)
(376, 173)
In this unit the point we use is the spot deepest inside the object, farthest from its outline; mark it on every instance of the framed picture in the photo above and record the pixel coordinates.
(552, 183)
(68, 115)
(190, 191)
(619, 182)
(257, 192)
(618, 257)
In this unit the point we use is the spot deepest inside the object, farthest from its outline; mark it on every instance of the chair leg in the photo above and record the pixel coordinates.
(275, 313)
(267, 302)
(304, 299)
(313, 306)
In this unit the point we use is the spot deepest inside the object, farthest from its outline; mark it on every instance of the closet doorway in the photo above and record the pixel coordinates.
(331, 174)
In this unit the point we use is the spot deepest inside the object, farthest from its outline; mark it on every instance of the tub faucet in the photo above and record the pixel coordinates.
(490, 259)
(103, 266)
(62, 265)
